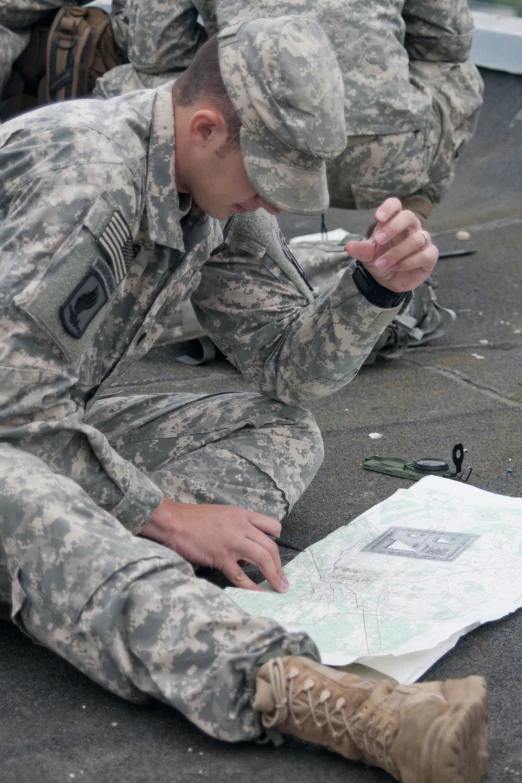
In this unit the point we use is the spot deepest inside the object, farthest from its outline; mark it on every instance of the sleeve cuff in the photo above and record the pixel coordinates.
(375, 293)
(135, 508)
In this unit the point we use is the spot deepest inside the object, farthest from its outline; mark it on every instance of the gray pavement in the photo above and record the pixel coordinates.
(57, 726)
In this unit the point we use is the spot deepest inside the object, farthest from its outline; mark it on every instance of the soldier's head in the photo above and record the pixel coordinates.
(258, 112)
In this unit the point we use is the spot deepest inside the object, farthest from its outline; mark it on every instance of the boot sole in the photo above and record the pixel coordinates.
(456, 748)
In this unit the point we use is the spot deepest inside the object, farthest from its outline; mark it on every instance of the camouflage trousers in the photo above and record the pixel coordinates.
(419, 162)
(126, 611)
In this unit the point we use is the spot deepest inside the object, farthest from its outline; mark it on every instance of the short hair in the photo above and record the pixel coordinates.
(203, 81)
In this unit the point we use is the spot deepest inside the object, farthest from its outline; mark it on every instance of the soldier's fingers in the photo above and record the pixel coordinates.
(260, 556)
(423, 259)
(393, 228)
(362, 250)
(264, 523)
(271, 547)
(237, 576)
(399, 223)
(392, 206)
(416, 244)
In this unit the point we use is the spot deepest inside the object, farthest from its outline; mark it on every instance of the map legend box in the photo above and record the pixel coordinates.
(421, 544)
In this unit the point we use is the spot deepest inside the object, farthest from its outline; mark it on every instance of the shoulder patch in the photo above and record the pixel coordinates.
(116, 243)
(87, 299)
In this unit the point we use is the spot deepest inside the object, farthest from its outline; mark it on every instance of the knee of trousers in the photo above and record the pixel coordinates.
(311, 434)
(297, 451)
(373, 168)
(281, 441)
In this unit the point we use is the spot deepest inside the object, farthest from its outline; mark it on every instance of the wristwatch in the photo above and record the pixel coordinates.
(376, 293)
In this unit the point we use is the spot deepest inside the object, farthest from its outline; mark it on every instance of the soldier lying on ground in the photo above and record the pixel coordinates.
(110, 219)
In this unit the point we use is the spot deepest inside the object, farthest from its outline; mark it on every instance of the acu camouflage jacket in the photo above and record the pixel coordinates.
(97, 254)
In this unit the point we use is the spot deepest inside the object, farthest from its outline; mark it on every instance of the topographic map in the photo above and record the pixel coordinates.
(410, 575)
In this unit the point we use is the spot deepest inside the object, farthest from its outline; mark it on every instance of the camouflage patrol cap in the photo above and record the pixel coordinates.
(286, 87)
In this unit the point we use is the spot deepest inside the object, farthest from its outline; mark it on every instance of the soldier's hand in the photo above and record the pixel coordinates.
(223, 537)
(400, 254)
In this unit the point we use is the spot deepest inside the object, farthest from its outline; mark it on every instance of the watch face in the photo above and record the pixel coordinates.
(431, 465)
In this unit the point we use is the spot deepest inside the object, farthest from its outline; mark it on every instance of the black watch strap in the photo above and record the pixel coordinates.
(374, 292)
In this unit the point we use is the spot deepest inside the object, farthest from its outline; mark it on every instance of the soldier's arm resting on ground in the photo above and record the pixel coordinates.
(290, 348)
(45, 374)
(439, 31)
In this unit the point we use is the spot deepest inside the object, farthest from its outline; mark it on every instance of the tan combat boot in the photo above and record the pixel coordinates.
(434, 732)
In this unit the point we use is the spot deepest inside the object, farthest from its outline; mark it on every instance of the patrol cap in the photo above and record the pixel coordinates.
(284, 82)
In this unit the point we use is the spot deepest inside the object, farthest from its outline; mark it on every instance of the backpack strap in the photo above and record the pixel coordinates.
(78, 39)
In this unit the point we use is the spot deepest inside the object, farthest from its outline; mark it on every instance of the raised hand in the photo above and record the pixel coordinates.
(400, 254)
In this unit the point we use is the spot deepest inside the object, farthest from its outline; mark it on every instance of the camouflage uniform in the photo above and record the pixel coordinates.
(98, 254)
(412, 96)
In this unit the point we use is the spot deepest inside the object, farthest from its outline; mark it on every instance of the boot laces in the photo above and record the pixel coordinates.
(299, 704)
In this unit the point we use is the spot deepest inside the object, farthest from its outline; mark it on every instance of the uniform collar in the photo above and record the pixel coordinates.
(163, 207)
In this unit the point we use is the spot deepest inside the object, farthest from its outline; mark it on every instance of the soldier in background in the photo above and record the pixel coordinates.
(109, 213)
(412, 96)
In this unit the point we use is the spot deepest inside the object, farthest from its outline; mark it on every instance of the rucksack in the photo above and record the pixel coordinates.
(80, 48)
(68, 50)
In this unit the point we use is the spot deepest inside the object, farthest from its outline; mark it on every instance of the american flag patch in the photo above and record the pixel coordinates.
(116, 242)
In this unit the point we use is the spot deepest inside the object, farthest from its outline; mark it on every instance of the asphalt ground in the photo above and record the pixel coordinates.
(57, 726)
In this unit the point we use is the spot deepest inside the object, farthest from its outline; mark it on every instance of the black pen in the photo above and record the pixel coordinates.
(453, 253)
(286, 544)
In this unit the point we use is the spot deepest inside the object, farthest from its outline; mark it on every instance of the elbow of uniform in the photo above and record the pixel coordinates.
(449, 48)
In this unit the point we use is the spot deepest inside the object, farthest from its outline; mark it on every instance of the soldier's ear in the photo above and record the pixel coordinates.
(207, 128)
